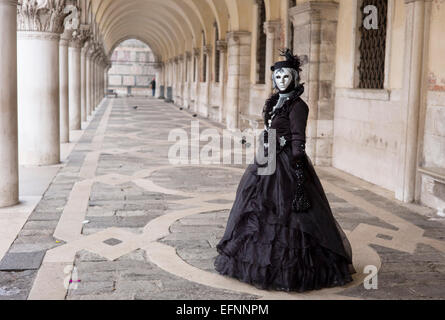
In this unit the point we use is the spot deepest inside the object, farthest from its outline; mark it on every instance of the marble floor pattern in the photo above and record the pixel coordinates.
(120, 222)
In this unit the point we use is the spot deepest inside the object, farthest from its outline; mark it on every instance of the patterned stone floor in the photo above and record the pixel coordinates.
(120, 222)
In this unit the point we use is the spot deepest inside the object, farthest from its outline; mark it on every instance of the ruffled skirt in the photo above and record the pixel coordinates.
(270, 246)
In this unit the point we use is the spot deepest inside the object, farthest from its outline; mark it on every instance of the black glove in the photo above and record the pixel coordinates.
(301, 201)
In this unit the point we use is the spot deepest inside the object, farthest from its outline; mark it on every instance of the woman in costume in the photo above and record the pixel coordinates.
(281, 233)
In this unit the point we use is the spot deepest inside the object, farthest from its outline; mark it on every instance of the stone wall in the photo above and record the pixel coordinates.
(368, 123)
(316, 39)
(132, 68)
(432, 161)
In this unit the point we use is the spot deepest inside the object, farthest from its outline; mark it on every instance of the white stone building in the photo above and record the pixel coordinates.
(132, 69)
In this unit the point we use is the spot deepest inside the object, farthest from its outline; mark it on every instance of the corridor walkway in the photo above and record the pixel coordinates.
(119, 222)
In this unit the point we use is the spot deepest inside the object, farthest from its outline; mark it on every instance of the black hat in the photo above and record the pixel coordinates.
(291, 61)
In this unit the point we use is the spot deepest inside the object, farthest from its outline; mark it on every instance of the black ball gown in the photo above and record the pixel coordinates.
(281, 233)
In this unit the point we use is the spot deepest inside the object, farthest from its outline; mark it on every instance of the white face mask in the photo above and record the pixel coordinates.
(283, 78)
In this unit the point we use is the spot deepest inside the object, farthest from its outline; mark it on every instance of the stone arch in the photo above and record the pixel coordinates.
(130, 37)
(133, 66)
(184, 19)
(163, 33)
(221, 14)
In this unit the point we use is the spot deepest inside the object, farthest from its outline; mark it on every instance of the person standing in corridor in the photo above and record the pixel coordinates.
(153, 86)
(281, 233)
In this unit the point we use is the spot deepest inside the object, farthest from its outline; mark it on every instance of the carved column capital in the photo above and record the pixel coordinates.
(196, 52)
(207, 50)
(91, 50)
(72, 24)
(221, 45)
(80, 37)
(234, 38)
(72, 19)
(41, 15)
(272, 29)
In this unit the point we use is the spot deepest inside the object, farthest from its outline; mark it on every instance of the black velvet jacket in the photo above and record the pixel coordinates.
(289, 121)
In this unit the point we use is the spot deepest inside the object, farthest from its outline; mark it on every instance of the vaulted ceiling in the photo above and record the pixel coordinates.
(171, 27)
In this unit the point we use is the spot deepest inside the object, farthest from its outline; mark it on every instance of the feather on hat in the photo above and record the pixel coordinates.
(290, 62)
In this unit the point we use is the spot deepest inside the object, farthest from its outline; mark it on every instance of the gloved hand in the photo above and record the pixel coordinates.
(298, 151)
(301, 201)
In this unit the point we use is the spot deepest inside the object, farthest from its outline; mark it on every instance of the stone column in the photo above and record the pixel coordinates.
(162, 81)
(98, 79)
(83, 76)
(196, 84)
(169, 89)
(107, 68)
(175, 78)
(166, 78)
(183, 80)
(206, 102)
(85, 37)
(102, 78)
(75, 84)
(9, 182)
(105, 80)
(221, 46)
(272, 29)
(71, 24)
(180, 86)
(186, 95)
(189, 74)
(63, 83)
(90, 81)
(178, 73)
(39, 27)
(238, 82)
(416, 17)
(101, 81)
(158, 71)
(315, 25)
(93, 81)
(88, 101)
